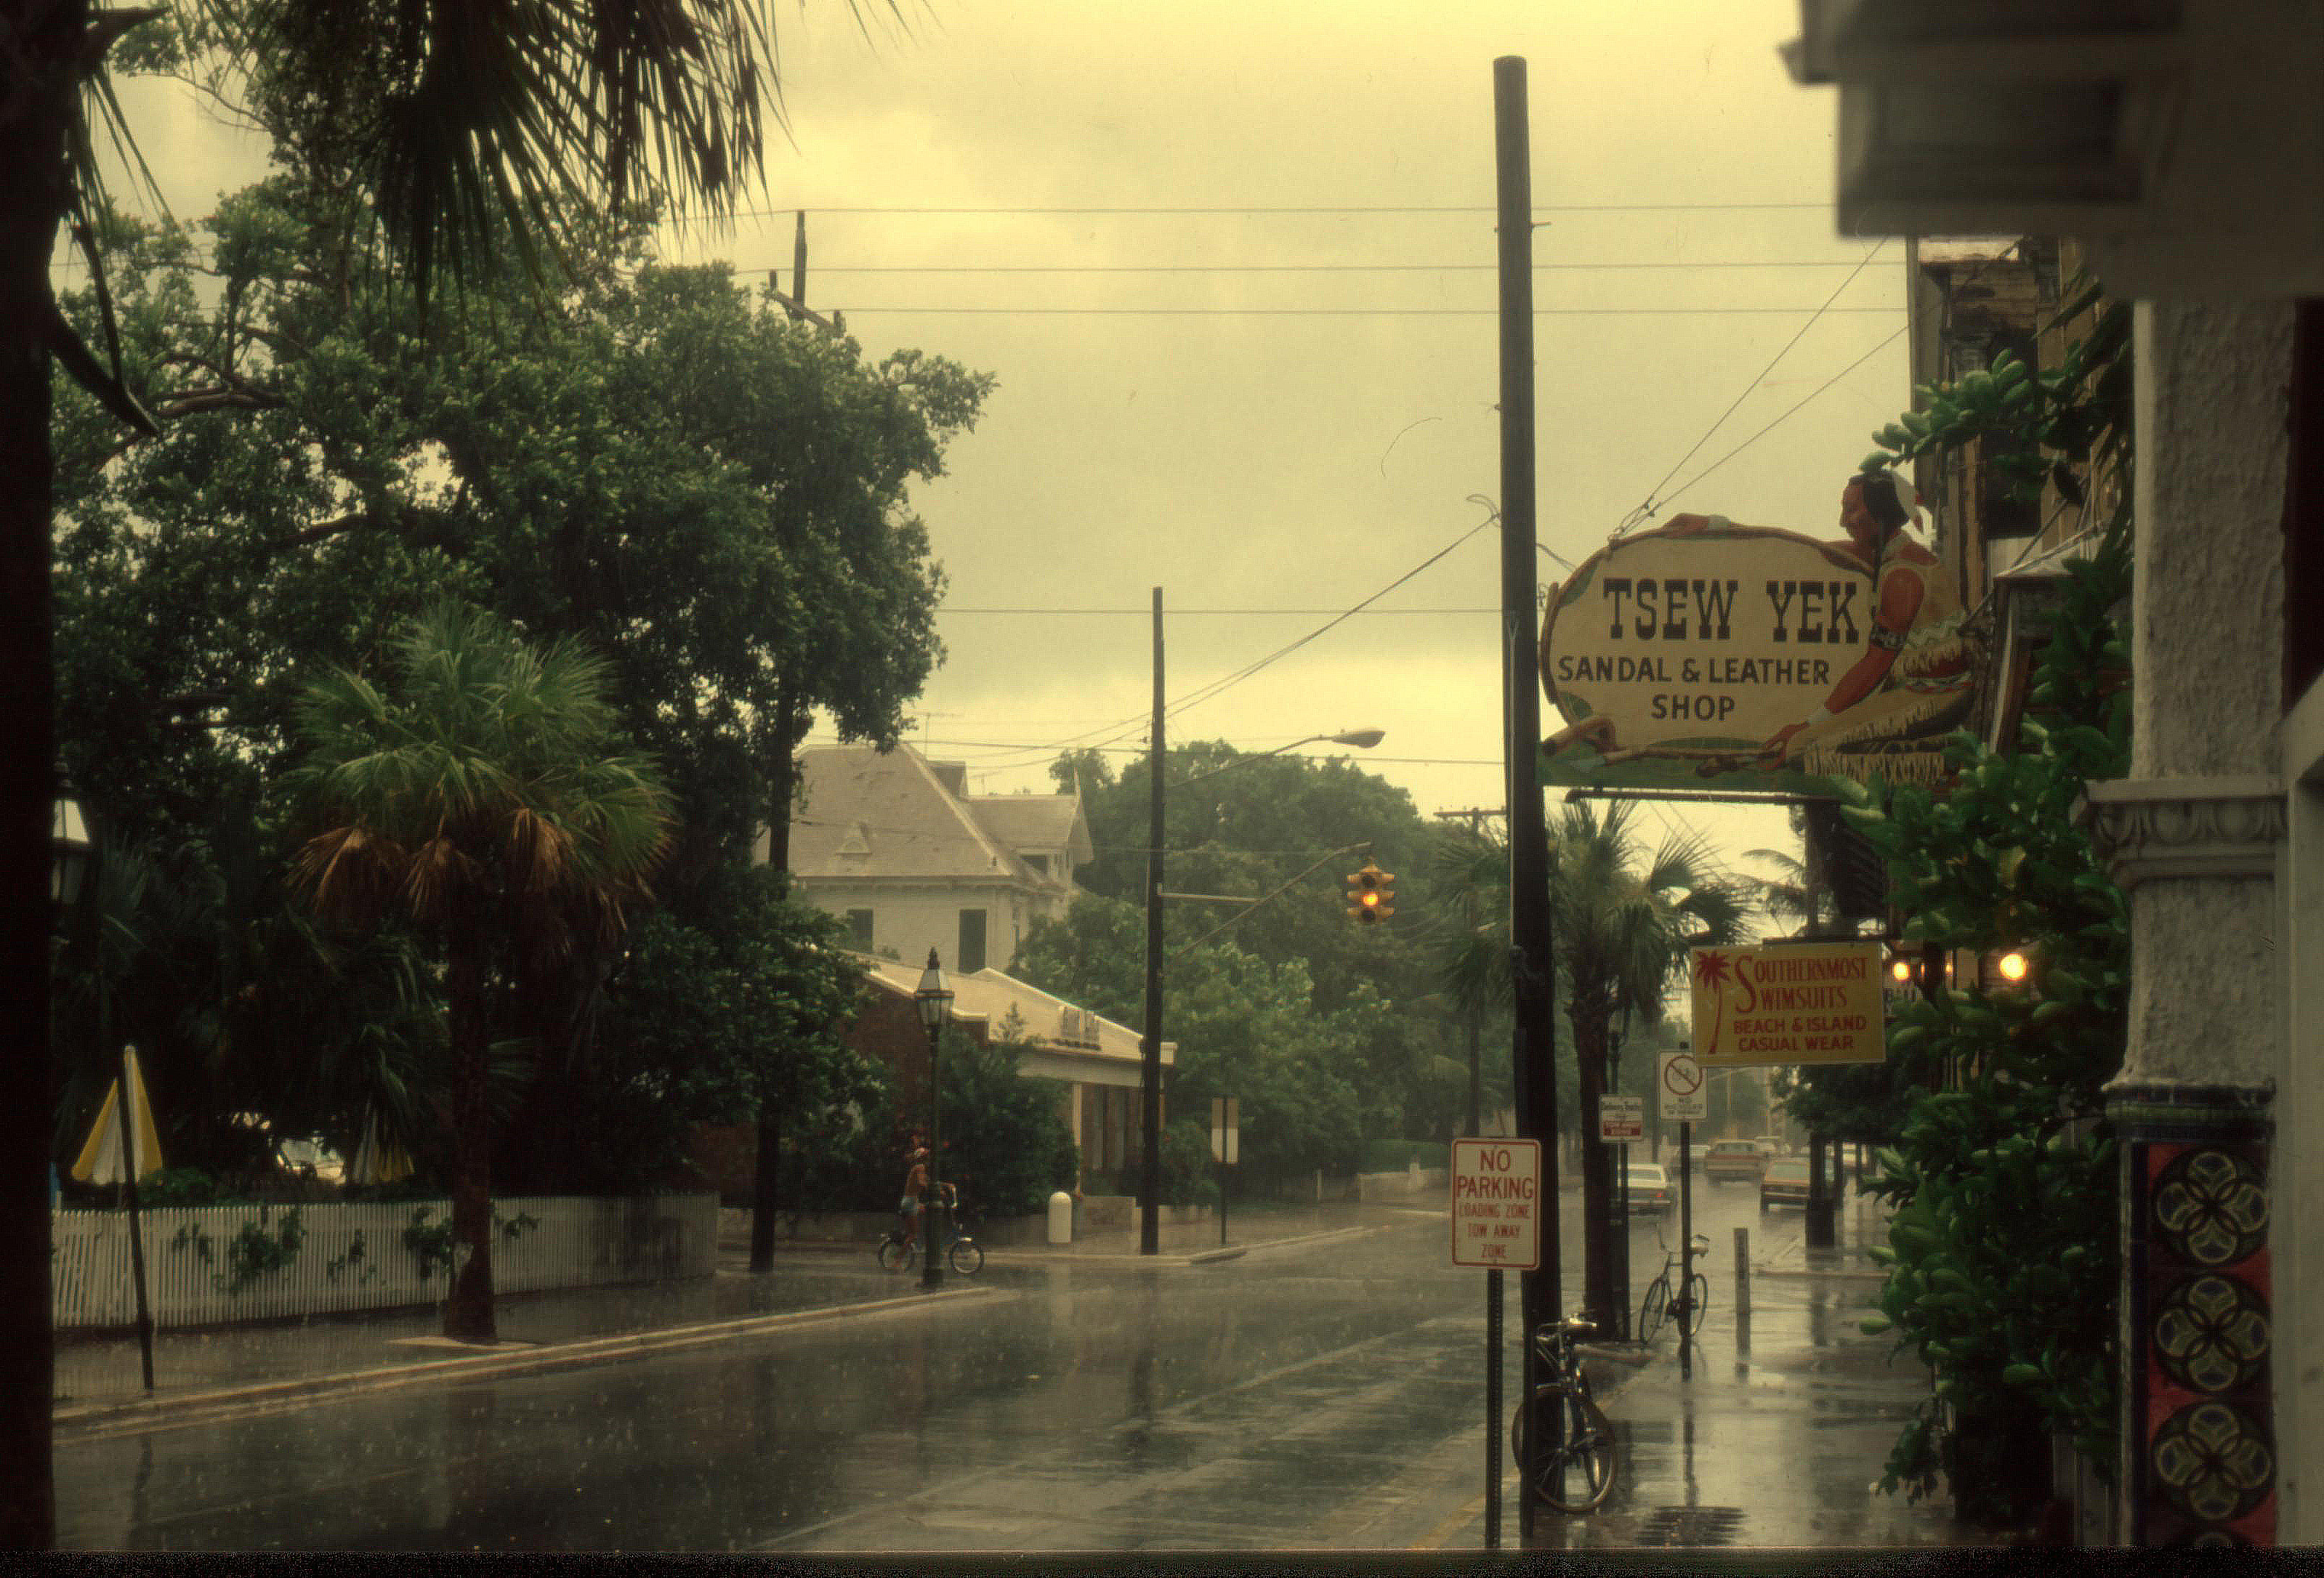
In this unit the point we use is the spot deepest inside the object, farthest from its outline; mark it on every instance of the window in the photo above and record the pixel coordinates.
(971, 941)
(859, 927)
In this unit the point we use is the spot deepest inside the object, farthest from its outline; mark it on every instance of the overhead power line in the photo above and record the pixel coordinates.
(1645, 510)
(860, 308)
(1193, 612)
(1317, 208)
(1285, 268)
(1131, 725)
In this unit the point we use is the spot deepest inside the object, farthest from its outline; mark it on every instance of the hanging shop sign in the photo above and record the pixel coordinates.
(1704, 653)
(1789, 1002)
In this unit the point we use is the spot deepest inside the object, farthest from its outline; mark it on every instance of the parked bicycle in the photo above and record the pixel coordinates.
(1686, 1309)
(1575, 1473)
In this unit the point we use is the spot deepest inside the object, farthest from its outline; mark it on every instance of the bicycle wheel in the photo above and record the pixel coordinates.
(893, 1254)
(1698, 1298)
(1576, 1473)
(1650, 1313)
(1546, 1400)
(966, 1256)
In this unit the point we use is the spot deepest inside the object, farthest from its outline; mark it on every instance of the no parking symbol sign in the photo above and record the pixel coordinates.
(1678, 1088)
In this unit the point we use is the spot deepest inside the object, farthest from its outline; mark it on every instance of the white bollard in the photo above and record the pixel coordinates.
(1061, 1217)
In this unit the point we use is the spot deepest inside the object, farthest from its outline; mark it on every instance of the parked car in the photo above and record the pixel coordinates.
(1786, 1181)
(1733, 1161)
(1651, 1188)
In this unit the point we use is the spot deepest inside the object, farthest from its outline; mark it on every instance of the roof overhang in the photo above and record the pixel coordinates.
(2181, 141)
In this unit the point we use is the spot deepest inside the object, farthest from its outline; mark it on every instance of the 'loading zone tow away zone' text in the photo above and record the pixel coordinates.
(1496, 1203)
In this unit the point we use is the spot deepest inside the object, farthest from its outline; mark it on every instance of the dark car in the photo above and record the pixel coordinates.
(1786, 1181)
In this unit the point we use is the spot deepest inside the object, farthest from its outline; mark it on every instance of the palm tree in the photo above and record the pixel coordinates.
(466, 119)
(1621, 932)
(480, 794)
(1619, 929)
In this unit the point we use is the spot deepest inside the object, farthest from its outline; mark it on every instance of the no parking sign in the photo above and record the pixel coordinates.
(1497, 1204)
(1678, 1086)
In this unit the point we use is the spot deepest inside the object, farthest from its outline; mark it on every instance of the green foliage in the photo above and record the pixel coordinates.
(1243, 1028)
(739, 1004)
(1006, 1145)
(356, 1259)
(2043, 428)
(1189, 1175)
(330, 460)
(179, 1185)
(1251, 825)
(258, 1248)
(2003, 1243)
(430, 1243)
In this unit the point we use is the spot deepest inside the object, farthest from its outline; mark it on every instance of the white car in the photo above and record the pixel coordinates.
(1651, 1188)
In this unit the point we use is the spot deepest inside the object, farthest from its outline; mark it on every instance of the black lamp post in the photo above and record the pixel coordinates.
(1620, 1031)
(933, 999)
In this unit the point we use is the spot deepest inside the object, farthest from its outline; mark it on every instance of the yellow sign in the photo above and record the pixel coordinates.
(1753, 657)
(1789, 1002)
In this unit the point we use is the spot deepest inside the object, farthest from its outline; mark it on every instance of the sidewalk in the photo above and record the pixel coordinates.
(231, 1370)
(1774, 1441)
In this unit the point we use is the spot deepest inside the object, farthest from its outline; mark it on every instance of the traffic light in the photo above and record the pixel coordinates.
(1369, 892)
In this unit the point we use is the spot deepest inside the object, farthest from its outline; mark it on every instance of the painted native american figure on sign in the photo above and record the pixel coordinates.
(1707, 649)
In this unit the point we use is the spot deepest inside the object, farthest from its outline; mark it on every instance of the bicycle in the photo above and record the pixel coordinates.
(965, 1256)
(1576, 1471)
(1685, 1309)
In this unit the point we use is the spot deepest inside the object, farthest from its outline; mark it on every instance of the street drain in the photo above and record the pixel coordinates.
(1690, 1526)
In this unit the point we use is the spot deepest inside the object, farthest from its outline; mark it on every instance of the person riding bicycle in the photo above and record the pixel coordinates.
(916, 1185)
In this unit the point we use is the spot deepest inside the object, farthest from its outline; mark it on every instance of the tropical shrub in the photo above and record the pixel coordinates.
(2003, 1251)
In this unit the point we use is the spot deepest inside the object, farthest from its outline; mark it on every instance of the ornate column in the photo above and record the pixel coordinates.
(2198, 1460)
(2192, 836)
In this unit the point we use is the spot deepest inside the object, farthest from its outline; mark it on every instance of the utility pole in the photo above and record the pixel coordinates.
(1150, 1047)
(782, 775)
(794, 301)
(1534, 1043)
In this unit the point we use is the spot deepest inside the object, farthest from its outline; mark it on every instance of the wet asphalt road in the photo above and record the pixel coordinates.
(1276, 1400)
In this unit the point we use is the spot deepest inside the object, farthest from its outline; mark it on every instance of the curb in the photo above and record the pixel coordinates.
(1049, 1256)
(91, 1421)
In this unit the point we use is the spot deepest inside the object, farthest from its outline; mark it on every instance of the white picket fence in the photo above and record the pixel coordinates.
(355, 1256)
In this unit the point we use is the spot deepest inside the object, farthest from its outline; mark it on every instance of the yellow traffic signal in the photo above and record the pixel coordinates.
(1368, 893)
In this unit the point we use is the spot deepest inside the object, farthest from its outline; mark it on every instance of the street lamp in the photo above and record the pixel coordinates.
(934, 1000)
(1149, 1045)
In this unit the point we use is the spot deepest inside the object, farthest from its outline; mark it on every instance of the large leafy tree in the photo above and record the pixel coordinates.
(1260, 825)
(453, 118)
(1243, 1027)
(481, 792)
(584, 465)
(735, 1005)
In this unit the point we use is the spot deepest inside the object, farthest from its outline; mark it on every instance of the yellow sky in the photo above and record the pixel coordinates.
(1246, 459)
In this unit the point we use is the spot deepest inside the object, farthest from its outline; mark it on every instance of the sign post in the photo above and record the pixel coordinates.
(1620, 1120)
(1225, 1130)
(1496, 1212)
(1680, 1097)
